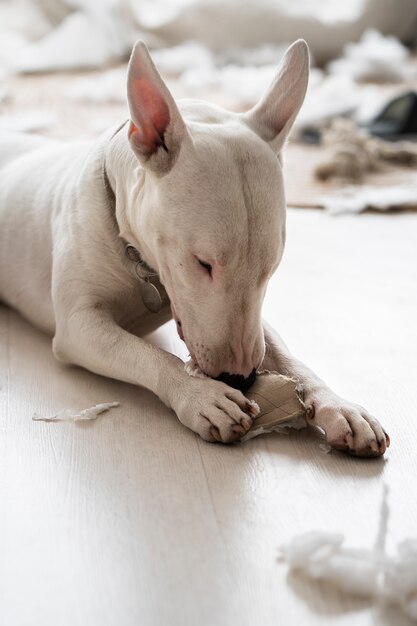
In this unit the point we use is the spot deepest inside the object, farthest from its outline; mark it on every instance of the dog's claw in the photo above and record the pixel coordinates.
(375, 447)
(239, 430)
(252, 408)
(349, 440)
(246, 423)
(214, 432)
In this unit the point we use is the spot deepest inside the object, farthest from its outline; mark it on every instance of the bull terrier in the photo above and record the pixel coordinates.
(180, 212)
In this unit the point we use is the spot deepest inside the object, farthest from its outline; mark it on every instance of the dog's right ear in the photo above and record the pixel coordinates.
(273, 116)
(156, 128)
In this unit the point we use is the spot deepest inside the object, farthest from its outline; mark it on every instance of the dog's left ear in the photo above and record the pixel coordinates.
(273, 116)
(156, 129)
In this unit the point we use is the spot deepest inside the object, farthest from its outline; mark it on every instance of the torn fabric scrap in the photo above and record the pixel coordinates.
(68, 415)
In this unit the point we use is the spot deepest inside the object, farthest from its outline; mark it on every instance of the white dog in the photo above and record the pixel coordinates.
(181, 211)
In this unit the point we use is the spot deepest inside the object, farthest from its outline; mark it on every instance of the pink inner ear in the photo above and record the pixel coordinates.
(151, 115)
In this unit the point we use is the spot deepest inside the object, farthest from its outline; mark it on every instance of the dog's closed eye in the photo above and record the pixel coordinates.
(206, 266)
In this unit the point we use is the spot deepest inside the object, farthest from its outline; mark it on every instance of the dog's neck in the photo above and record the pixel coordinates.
(128, 180)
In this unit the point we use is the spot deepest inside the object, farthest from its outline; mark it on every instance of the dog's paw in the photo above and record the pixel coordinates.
(347, 426)
(215, 411)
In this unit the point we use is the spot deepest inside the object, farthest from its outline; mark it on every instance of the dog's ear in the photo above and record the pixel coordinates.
(156, 127)
(273, 116)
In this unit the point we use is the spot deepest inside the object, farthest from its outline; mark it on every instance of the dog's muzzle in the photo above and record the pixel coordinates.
(237, 381)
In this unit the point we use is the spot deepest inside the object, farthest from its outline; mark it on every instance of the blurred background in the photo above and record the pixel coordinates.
(63, 68)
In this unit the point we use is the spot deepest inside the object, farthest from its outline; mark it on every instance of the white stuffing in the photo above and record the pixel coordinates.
(82, 40)
(68, 415)
(374, 58)
(26, 18)
(194, 65)
(243, 85)
(401, 578)
(295, 424)
(193, 369)
(368, 573)
(11, 44)
(339, 95)
(98, 125)
(189, 55)
(28, 121)
(358, 199)
(93, 33)
(265, 54)
(332, 96)
(88, 33)
(336, 96)
(109, 86)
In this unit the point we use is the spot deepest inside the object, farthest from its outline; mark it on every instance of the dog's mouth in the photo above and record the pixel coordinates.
(193, 368)
(179, 329)
(232, 380)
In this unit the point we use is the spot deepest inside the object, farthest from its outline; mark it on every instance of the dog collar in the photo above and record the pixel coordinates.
(152, 294)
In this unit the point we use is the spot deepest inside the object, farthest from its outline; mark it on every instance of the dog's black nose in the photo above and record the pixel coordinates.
(237, 380)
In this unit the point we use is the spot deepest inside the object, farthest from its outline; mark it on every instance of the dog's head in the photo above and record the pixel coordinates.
(212, 207)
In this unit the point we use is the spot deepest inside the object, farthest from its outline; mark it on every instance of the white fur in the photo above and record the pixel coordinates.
(192, 181)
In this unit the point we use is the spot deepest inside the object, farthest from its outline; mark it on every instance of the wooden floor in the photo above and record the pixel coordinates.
(132, 520)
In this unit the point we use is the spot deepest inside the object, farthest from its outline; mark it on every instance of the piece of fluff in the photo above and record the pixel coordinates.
(375, 58)
(27, 122)
(196, 67)
(192, 369)
(356, 200)
(367, 573)
(83, 39)
(108, 86)
(243, 85)
(190, 55)
(68, 415)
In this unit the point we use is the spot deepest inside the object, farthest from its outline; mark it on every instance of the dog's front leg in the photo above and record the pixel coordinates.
(92, 339)
(347, 426)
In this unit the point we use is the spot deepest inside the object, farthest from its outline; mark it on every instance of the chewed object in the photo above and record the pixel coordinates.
(367, 573)
(280, 404)
(277, 397)
(193, 369)
(67, 415)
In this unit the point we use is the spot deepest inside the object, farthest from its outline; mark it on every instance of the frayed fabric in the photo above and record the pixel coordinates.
(68, 415)
(367, 573)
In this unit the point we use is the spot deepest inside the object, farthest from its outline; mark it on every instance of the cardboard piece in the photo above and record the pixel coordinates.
(280, 401)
